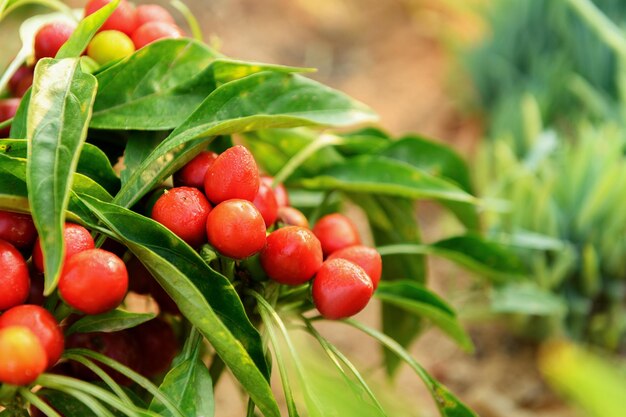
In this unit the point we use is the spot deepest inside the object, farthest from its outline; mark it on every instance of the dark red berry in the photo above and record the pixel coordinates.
(22, 357)
(335, 231)
(292, 256)
(292, 217)
(43, 325)
(157, 344)
(367, 258)
(123, 18)
(51, 38)
(21, 81)
(153, 31)
(192, 174)
(77, 239)
(8, 108)
(265, 202)
(236, 229)
(184, 211)
(93, 281)
(37, 282)
(152, 13)
(18, 229)
(233, 175)
(14, 278)
(341, 289)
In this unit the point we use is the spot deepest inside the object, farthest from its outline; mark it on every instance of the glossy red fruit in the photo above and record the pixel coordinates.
(184, 211)
(292, 217)
(122, 19)
(341, 289)
(280, 192)
(152, 13)
(77, 239)
(43, 325)
(119, 346)
(157, 344)
(93, 281)
(153, 31)
(18, 229)
(192, 174)
(14, 278)
(265, 202)
(335, 231)
(21, 81)
(51, 38)
(292, 256)
(233, 175)
(8, 108)
(367, 258)
(22, 357)
(236, 229)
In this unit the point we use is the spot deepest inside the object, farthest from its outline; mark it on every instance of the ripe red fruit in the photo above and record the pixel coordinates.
(18, 229)
(265, 202)
(51, 38)
(153, 31)
(43, 325)
(292, 217)
(119, 346)
(292, 256)
(335, 231)
(341, 289)
(77, 239)
(8, 108)
(192, 174)
(93, 281)
(14, 278)
(157, 344)
(21, 81)
(233, 175)
(184, 211)
(22, 357)
(280, 192)
(152, 13)
(367, 258)
(122, 19)
(236, 229)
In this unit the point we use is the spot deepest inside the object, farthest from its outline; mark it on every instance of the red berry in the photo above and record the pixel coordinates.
(43, 325)
(22, 357)
(122, 19)
(77, 239)
(18, 229)
(51, 38)
(157, 344)
(341, 289)
(335, 231)
(119, 346)
(265, 202)
(367, 258)
(8, 108)
(192, 174)
(14, 278)
(236, 229)
(280, 192)
(292, 217)
(292, 256)
(153, 31)
(21, 81)
(184, 211)
(93, 281)
(233, 175)
(152, 13)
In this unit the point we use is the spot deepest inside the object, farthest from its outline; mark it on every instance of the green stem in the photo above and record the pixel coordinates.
(90, 402)
(6, 123)
(38, 403)
(191, 19)
(216, 369)
(62, 312)
(251, 407)
(602, 25)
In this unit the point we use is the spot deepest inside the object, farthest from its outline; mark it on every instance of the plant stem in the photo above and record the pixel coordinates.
(602, 25)
(38, 403)
(216, 369)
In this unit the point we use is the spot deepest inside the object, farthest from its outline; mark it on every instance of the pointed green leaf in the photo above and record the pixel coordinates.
(528, 299)
(112, 321)
(58, 116)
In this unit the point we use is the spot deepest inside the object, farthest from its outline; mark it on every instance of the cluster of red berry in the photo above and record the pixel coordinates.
(222, 200)
(126, 30)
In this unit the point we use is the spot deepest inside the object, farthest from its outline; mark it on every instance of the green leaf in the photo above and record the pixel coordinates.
(415, 298)
(259, 101)
(138, 147)
(190, 383)
(58, 116)
(528, 299)
(86, 29)
(446, 402)
(206, 298)
(112, 321)
(385, 176)
(64, 403)
(8, 6)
